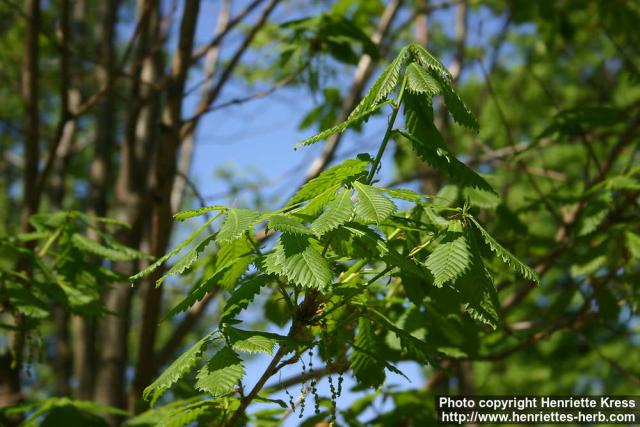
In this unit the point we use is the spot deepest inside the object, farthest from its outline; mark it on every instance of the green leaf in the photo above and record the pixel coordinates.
(450, 259)
(419, 81)
(94, 248)
(332, 179)
(186, 261)
(235, 258)
(176, 370)
(181, 216)
(428, 61)
(153, 267)
(186, 415)
(221, 374)
(414, 346)
(506, 256)
(372, 206)
(366, 360)
(352, 120)
(199, 291)
(632, 242)
(404, 194)
(429, 145)
(295, 258)
(457, 108)
(287, 224)
(242, 297)
(384, 84)
(237, 223)
(337, 213)
(252, 341)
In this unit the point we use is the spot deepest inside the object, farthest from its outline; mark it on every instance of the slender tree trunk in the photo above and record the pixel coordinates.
(84, 329)
(162, 186)
(131, 205)
(10, 363)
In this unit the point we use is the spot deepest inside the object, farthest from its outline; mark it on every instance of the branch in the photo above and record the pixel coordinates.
(189, 125)
(202, 51)
(363, 73)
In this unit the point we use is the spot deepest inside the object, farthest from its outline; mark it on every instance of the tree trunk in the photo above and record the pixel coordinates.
(131, 205)
(163, 178)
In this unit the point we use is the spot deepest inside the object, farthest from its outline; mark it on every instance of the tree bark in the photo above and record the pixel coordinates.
(131, 205)
(84, 329)
(162, 185)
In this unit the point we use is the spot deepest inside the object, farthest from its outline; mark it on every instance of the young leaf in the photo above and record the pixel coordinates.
(252, 341)
(457, 108)
(186, 261)
(428, 61)
(419, 81)
(235, 257)
(333, 178)
(181, 216)
(221, 374)
(384, 84)
(184, 416)
(237, 223)
(372, 206)
(366, 360)
(153, 267)
(337, 213)
(352, 120)
(242, 297)
(404, 194)
(450, 259)
(176, 370)
(199, 291)
(506, 256)
(287, 224)
(295, 259)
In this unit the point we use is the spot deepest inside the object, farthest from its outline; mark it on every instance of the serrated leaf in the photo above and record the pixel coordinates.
(176, 370)
(235, 257)
(295, 259)
(85, 244)
(476, 289)
(221, 374)
(632, 242)
(352, 120)
(384, 84)
(449, 260)
(404, 194)
(429, 145)
(457, 108)
(199, 290)
(181, 216)
(186, 261)
(237, 223)
(428, 61)
(187, 415)
(287, 224)
(252, 341)
(332, 178)
(419, 81)
(371, 205)
(153, 267)
(366, 360)
(302, 264)
(242, 297)
(414, 346)
(506, 256)
(337, 213)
